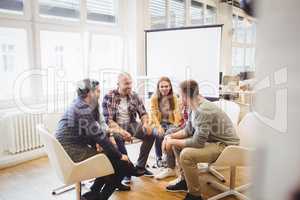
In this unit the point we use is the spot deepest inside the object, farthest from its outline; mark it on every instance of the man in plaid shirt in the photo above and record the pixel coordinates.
(120, 109)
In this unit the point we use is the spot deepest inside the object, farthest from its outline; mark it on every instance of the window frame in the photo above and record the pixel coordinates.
(6, 103)
(117, 11)
(33, 23)
(237, 12)
(82, 20)
(23, 16)
(187, 14)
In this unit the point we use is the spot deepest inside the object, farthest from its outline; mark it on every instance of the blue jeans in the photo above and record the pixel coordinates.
(160, 138)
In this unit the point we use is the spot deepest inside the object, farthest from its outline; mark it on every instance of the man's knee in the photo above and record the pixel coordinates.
(119, 140)
(118, 137)
(185, 156)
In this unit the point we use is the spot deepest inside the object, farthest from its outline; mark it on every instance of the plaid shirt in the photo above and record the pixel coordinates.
(112, 100)
(185, 116)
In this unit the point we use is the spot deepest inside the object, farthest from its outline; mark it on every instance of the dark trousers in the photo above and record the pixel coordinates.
(108, 184)
(136, 130)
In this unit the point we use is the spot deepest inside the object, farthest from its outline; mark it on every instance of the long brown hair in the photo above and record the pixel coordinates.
(170, 95)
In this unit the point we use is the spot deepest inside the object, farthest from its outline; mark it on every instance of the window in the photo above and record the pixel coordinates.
(211, 15)
(158, 13)
(243, 44)
(250, 59)
(106, 52)
(13, 59)
(239, 33)
(60, 8)
(238, 58)
(55, 44)
(12, 6)
(197, 13)
(102, 11)
(177, 13)
(62, 51)
(174, 15)
(106, 58)
(250, 32)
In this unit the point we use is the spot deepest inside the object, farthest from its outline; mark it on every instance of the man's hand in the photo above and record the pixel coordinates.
(113, 141)
(125, 158)
(127, 136)
(99, 148)
(113, 124)
(115, 128)
(169, 145)
(164, 143)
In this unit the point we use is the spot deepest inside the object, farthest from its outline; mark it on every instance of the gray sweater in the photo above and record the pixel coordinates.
(208, 123)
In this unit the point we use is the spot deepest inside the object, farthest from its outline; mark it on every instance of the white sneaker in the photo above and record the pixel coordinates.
(175, 181)
(168, 172)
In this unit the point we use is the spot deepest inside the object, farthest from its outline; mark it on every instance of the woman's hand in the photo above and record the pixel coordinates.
(160, 131)
(147, 128)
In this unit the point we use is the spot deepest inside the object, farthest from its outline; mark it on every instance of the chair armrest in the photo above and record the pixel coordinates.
(96, 166)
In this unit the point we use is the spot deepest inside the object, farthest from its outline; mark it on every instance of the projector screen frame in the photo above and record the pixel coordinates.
(183, 28)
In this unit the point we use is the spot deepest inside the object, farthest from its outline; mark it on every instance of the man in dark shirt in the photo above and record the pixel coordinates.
(83, 135)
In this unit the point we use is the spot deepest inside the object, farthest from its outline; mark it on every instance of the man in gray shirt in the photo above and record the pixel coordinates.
(206, 134)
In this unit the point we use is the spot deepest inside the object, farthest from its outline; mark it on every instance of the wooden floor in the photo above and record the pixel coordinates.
(35, 180)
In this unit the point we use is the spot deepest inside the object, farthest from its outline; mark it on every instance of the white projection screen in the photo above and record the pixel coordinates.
(186, 53)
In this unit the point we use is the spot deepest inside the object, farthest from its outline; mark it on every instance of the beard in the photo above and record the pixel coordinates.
(95, 102)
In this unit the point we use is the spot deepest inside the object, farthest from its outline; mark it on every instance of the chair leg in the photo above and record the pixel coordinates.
(66, 188)
(78, 190)
(217, 174)
(240, 196)
(221, 196)
(243, 187)
(62, 189)
(218, 186)
(232, 190)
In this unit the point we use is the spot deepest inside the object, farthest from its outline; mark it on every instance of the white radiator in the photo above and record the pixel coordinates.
(19, 131)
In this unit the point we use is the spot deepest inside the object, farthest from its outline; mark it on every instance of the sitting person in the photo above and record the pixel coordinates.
(83, 135)
(164, 114)
(120, 109)
(207, 132)
(169, 157)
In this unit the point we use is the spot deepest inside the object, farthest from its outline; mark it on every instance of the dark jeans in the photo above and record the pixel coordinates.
(160, 138)
(108, 184)
(136, 130)
(111, 182)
